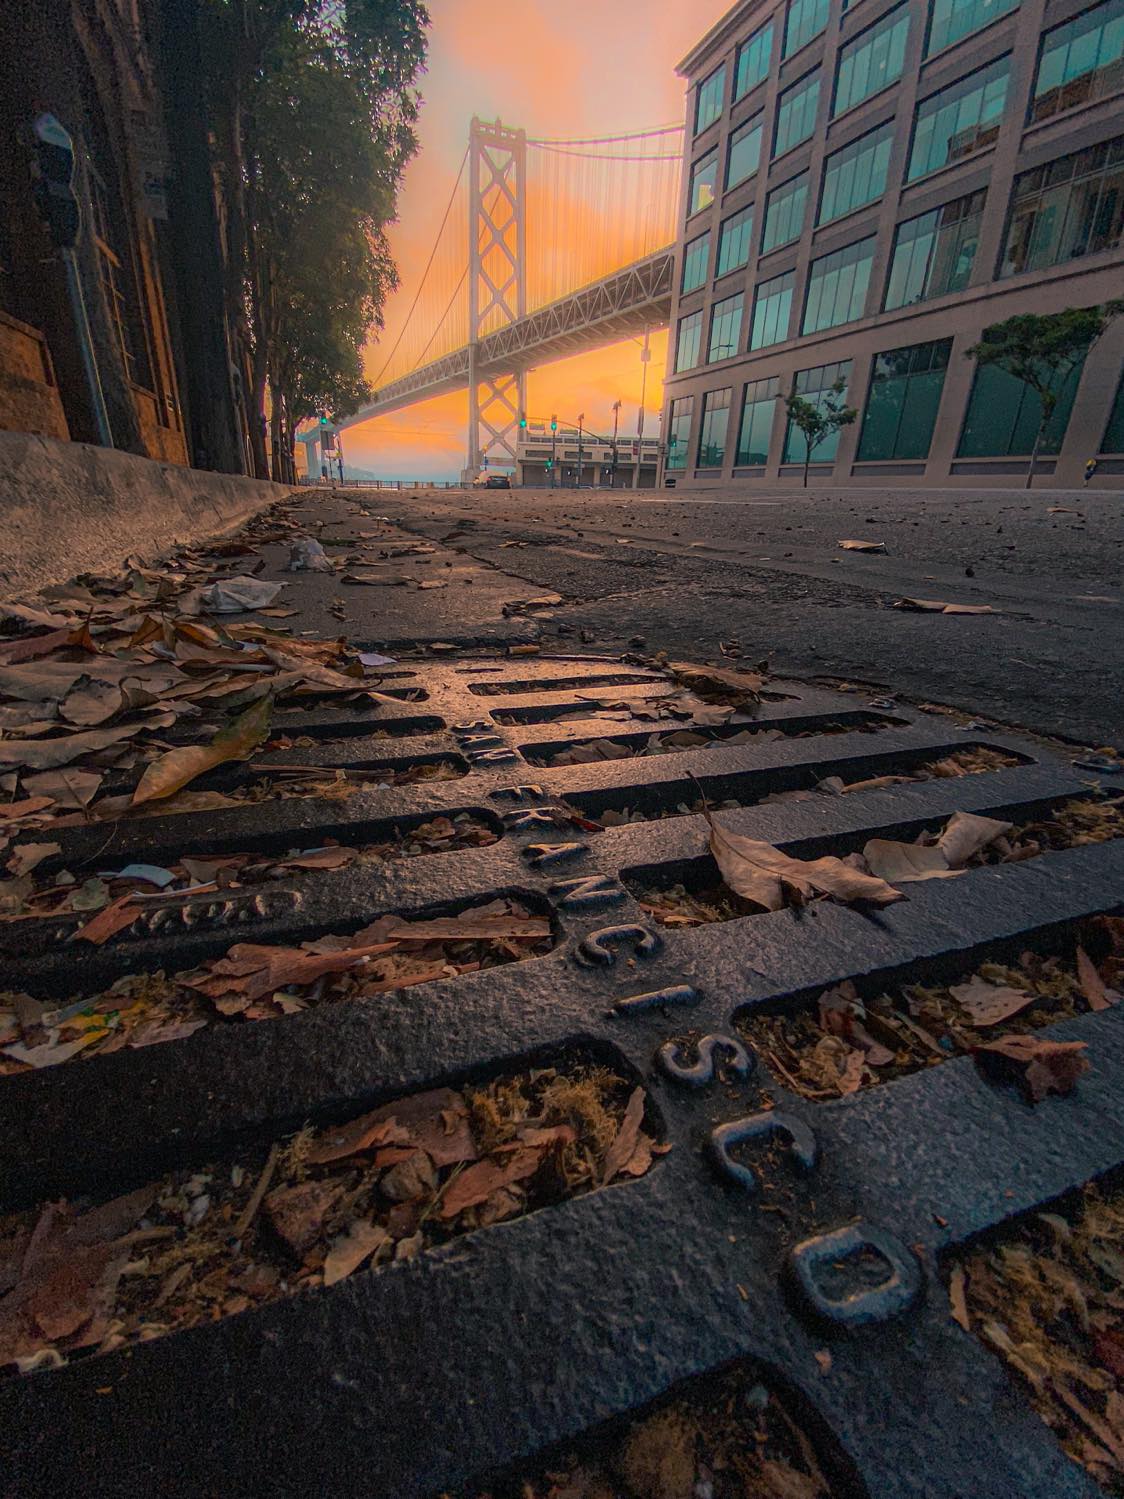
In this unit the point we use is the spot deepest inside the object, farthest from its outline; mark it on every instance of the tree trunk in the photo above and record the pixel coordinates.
(807, 457)
(1047, 413)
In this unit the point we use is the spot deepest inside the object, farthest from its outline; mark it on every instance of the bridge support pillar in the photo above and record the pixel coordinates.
(497, 287)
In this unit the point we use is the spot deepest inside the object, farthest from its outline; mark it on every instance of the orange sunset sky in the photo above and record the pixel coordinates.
(557, 68)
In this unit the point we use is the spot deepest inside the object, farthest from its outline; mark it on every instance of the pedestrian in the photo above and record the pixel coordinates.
(1090, 469)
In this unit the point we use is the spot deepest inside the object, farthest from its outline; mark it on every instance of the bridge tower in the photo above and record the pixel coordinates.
(497, 285)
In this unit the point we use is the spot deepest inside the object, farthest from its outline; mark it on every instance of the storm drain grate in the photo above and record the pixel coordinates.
(806, 1138)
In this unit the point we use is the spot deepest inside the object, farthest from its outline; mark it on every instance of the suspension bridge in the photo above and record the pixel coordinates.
(546, 248)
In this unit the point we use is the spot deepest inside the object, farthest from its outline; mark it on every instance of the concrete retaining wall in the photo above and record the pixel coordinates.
(68, 508)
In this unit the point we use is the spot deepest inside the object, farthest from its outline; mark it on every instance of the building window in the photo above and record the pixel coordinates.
(856, 174)
(796, 113)
(1004, 412)
(696, 261)
(708, 99)
(118, 285)
(772, 311)
(757, 421)
(837, 286)
(784, 213)
(754, 57)
(704, 182)
(679, 431)
(734, 240)
(745, 152)
(1080, 61)
(934, 253)
(901, 405)
(1114, 433)
(715, 421)
(959, 120)
(952, 19)
(1067, 208)
(872, 60)
(815, 385)
(803, 20)
(690, 341)
(726, 328)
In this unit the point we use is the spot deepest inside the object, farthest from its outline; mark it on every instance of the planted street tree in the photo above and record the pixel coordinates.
(1043, 350)
(820, 418)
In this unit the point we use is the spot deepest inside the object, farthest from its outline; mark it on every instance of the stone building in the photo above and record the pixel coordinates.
(868, 187)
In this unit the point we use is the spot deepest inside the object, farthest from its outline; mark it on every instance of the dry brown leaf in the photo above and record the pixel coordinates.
(863, 546)
(966, 834)
(108, 922)
(172, 771)
(1048, 1066)
(958, 1298)
(49, 754)
(759, 873)
(351, 1249)
(27, 856)
(902, 863)
(14, 810)
(989, 1004)
(1092, 985)
(623, 1147)
(297, 1213)
(478, 1182)
(938, 606)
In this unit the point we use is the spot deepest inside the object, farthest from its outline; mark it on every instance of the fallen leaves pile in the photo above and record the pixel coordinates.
(1048, 1297)
(259, 982)
(846, 1043)
(200, 1245)
(764, 878)
(589, 751)
(966, 762)
(136, 887)
(726, 1437)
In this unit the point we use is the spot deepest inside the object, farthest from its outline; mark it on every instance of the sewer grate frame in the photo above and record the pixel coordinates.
(373, 1358)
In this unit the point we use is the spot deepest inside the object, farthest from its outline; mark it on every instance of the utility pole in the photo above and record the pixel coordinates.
(616, 428)
(581, 419)
(339, 453)
(645, 360)
(553, 445)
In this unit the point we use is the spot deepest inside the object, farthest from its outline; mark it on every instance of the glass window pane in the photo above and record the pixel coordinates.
(856, 174)
(712, 435)
(816, 385)
(754, 57)
(708, 99)
(1004, 412)
(690, 340)
(934, 253)
(1080, 61)
(837, 286)
(784, 213)
(756, 427)
(696, 258)
(679, 431)
(796, 114)
(745, 152)
(1114, 433)
(1072, 207)
(704, 182)
(726, 328)
(952, 19)
(734, 241)
(772, 311)
(901, 405)
(960, 119)
(871, 60)
(804, 19)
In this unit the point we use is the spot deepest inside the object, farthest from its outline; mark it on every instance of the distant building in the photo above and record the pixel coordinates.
(537, 458)
(149, 256)
(868, 187)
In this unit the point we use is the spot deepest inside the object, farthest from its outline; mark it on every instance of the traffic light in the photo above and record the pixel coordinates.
(522, 422)
(549, 464)
(323, 418)
(553, 423)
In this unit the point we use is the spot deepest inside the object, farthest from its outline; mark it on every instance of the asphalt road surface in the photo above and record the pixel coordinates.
(763, 572)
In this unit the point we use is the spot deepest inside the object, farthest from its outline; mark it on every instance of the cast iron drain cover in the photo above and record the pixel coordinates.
(751, 1242)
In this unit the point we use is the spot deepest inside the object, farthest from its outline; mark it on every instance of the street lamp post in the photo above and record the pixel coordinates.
(581, 419)
(616, 427)
(645, 360)
(553, 445)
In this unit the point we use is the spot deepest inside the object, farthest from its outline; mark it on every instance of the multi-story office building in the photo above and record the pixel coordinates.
(869, 186)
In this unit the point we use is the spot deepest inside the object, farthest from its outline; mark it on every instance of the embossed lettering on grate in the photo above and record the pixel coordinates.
(750, 1246)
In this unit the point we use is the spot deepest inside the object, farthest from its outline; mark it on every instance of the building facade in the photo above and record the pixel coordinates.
(541, 454)
(868, 187)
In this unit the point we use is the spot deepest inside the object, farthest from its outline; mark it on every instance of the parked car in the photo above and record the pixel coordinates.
(491, 481)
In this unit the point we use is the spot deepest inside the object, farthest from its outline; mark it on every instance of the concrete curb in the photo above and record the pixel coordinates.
(67, 508)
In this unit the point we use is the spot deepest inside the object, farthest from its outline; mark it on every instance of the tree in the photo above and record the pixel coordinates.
(1043, 350)
(820, 418)
(313, 109)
